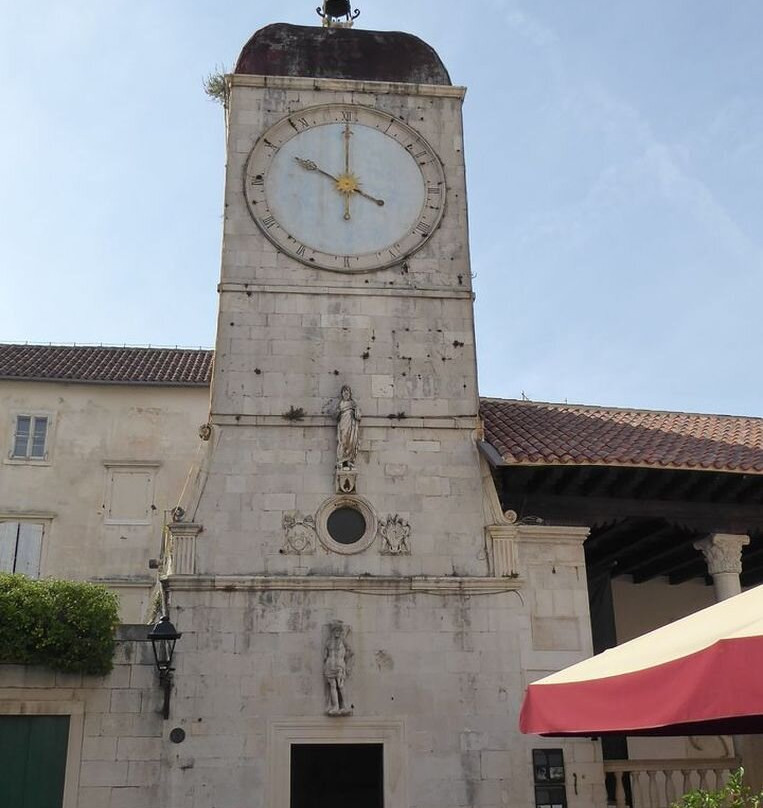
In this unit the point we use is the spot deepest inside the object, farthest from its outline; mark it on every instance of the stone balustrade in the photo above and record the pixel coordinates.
(660, 783)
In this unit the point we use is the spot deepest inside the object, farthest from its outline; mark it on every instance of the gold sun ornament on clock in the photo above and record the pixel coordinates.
(345, 188)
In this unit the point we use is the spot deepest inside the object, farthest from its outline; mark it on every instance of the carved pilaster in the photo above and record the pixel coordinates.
(181, 548)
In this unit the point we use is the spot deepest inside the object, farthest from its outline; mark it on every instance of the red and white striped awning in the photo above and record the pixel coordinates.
(702, 675)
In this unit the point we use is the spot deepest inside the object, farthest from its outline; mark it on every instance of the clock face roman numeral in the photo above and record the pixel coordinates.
(349, 116)
(268, 221)
(346, 262)
(424, 228)
(301, 250)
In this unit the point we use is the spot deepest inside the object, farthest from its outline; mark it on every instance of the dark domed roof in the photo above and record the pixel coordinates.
(341, 53)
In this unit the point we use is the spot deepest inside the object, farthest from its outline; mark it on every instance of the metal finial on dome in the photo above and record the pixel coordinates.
(333, 11)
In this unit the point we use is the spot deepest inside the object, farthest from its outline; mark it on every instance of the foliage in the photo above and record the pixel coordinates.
(65, 625)
(733, 795)
(216, 87)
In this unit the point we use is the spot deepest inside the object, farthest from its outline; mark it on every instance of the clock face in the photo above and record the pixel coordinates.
(345, 188)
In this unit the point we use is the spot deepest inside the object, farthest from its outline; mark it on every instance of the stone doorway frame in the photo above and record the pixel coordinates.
(75, 710)
(389, 732)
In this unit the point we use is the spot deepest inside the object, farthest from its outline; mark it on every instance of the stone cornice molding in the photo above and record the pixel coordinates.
(371, 585)
(184, 528)
(369, 421)
(556, 534)
(370, 290)
(723, 552)
(345, 85)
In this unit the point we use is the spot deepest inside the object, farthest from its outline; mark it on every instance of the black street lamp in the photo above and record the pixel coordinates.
(163, 636)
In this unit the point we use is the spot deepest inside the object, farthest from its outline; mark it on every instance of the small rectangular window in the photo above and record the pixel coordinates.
(548, 773)
(21, 547)
(30, 437)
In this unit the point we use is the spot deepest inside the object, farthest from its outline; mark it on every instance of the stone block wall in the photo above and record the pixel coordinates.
(116, 730)
(448, 666)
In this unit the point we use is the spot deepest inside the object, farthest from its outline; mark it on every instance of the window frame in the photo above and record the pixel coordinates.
(44, 522)
(34, 415)
(136, 467)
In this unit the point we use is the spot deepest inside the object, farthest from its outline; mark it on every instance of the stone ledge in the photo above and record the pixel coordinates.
(466, 422)
(437, 292)
(445, 585)
(345, 85)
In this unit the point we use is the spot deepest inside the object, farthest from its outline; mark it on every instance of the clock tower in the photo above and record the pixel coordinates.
(338, 565)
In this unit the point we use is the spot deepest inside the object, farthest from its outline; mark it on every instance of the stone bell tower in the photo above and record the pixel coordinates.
(344, 397)
(347, 635)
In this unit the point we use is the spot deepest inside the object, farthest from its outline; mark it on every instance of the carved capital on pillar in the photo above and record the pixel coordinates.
(723, 552)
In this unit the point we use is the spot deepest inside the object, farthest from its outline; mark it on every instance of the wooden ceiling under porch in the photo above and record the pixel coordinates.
(644, 521)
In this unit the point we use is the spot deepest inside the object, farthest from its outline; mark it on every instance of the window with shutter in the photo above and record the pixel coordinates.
(130, 493)
(21, 547)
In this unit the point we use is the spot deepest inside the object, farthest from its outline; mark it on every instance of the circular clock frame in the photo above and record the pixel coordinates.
(412, 235)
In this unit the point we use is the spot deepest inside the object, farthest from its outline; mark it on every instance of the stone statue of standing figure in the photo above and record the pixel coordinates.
(347, 431)
(337, 662)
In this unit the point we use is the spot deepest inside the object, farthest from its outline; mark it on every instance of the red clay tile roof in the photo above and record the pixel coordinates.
(106, 365)
(529, 433)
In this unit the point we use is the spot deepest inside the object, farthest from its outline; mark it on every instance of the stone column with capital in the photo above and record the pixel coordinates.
(723, 555)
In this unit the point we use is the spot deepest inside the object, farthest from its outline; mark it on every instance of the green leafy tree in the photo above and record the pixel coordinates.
(64, 625)
(735, 794)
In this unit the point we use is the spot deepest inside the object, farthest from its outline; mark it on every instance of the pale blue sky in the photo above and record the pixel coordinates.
(615, 158)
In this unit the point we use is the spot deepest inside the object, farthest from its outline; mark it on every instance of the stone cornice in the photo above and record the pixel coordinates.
(346, 85)
(437, 292)
(556, 534)
(370, 585)
(436, 422)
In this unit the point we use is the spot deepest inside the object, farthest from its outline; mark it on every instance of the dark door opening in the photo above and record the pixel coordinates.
(337, 776)
(33, 760)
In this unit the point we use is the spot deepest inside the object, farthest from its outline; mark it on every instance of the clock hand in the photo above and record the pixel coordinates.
(347, 136)
(309, 165)
(347, 173)
(379, 202)
(343, 184)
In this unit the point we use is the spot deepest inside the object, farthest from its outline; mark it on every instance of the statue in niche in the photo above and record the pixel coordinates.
(337, 663)
(347, 431)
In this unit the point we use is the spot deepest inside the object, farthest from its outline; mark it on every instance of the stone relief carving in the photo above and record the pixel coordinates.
(300, 533)
(337, 666)
(395, 534)
(723, 552)
(347, 436)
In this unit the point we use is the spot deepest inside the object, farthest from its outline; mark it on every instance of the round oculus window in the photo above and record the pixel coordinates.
(346, 525)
